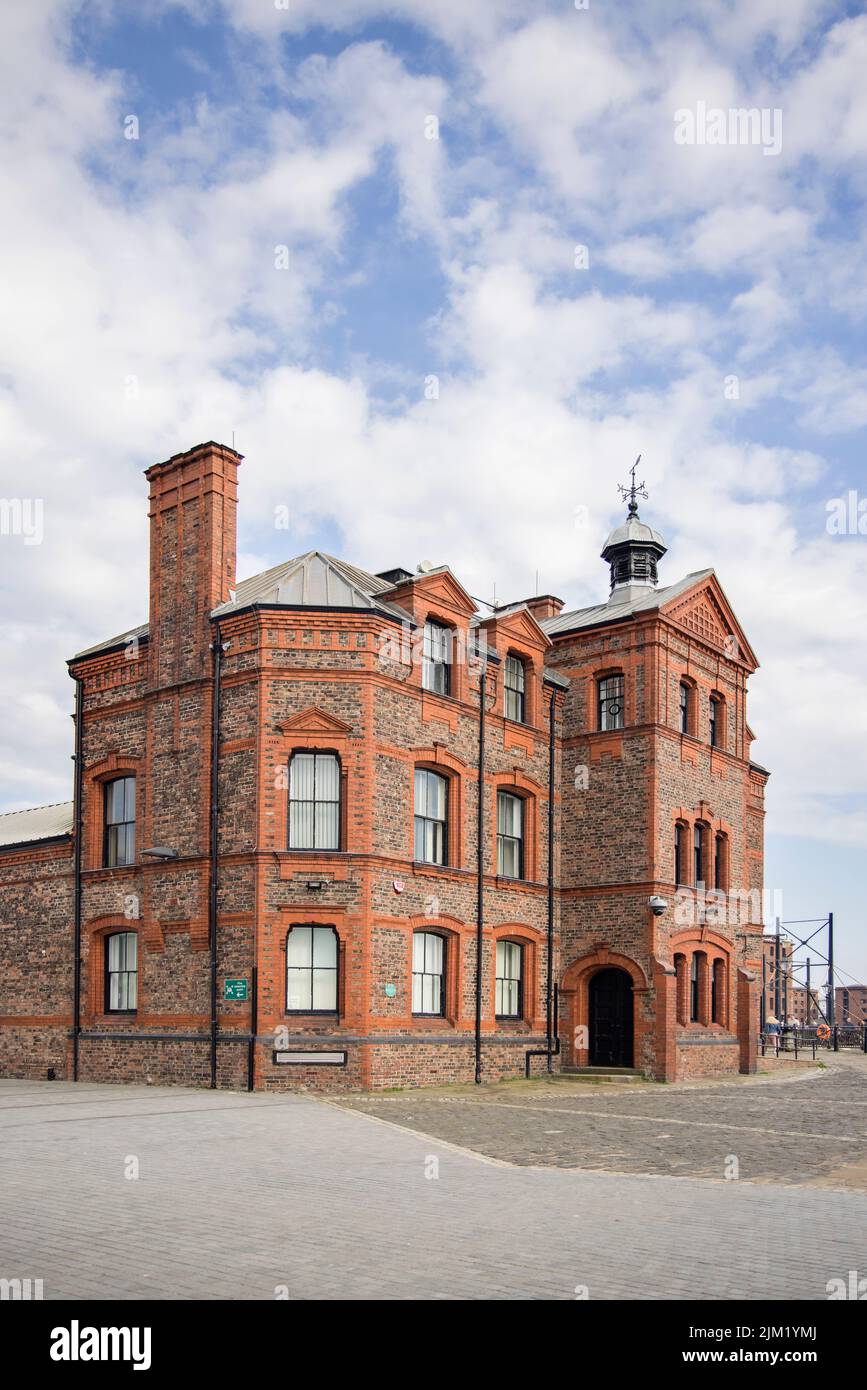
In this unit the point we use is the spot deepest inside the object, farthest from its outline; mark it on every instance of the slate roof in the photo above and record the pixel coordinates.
(40, 823)
(121, 640)
(320, 581)
(644, 600)
(314, 580)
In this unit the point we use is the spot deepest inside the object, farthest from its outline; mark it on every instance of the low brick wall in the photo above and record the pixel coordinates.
(29, 1052)
(161, 1062)
(395, 1062)
(707, 1055)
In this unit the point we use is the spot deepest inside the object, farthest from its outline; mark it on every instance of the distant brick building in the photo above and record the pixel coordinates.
(850, 1005)
(778, 977)
(277, 869)
(805, 1009)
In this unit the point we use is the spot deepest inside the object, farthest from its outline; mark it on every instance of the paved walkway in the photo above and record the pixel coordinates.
(238, 1196)
(806, 1125)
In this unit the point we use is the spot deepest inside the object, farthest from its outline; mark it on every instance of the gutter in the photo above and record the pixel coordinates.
(552, 1037)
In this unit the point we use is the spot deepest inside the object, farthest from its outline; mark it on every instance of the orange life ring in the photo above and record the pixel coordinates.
(823, 1031)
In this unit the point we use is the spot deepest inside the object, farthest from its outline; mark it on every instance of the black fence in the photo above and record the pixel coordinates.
(806, 1042)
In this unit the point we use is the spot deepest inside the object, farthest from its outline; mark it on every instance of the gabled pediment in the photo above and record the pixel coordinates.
(439, 589)
(705, 612)
(313, 721)
(520, 626)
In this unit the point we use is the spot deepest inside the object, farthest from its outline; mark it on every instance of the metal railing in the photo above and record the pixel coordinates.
(806, 1042)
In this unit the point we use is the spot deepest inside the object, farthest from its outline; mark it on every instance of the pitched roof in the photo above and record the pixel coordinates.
(314, 580)
(645, 600)
(39, 823)
(135, 633)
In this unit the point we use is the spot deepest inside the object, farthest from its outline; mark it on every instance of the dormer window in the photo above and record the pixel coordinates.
(514, 688)
(436, 666)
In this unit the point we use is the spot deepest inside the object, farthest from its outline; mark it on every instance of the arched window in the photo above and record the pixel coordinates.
(515, 680)
(679, 852)
(431, 817)
(717, 721)
(121, 973)
(716, 991)
(119, 823)
(609, 702)
(436, 665)
(698, 850)
(510, 980)
(685, 707)
(693, 986)
(428, 974)
(681, 1004)
(510, 835)
(311, 970)
(720, 865)
(314, 801)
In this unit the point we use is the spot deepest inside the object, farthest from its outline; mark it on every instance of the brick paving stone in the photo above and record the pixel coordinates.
(810, 1127)
(239, 1194)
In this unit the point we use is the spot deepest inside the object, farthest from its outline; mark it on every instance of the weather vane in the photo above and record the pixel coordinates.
(634, 491)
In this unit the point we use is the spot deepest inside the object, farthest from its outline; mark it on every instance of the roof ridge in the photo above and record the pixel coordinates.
(47, 806)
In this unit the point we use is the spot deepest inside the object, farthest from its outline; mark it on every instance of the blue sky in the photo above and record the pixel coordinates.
(146, 312)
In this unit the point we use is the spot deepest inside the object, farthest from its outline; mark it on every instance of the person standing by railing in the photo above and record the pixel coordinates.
(772, 1033)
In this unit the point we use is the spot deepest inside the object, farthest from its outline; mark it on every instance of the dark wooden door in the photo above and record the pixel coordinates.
(611, 1019)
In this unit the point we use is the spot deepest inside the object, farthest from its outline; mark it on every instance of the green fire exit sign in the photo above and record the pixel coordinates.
(235, 989)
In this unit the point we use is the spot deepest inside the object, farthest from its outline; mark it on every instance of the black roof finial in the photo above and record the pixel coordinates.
(634, 491)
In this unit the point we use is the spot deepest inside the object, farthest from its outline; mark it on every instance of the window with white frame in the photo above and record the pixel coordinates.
(428, 974)
(311, 970)
(431, 817)
(515, 680)
(119, 841)
(314, 801)
(510, 835)
(436, 665)
(509, 979)
(121, 973)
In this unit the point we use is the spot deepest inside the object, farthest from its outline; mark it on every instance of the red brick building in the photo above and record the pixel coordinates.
(851, 1005)
(279, 869)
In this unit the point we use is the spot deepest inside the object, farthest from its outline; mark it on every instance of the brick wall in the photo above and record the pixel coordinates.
(349, 682)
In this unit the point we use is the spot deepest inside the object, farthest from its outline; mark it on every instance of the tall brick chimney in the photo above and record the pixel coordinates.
(193, 548)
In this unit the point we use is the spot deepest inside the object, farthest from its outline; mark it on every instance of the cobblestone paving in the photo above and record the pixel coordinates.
(809, 1126)
(238, 1196)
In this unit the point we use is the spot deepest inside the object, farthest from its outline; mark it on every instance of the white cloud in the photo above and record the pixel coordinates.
(159, 266)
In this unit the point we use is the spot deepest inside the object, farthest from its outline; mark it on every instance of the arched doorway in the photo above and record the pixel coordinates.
(610, 1019)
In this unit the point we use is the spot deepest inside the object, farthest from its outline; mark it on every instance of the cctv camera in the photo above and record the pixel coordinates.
(657, 905)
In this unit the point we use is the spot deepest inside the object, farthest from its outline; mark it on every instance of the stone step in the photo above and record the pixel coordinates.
(605, 1074)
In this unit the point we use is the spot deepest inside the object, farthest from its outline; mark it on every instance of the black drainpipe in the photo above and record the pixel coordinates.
(76, 931)
(549, 1038)
(552, 1039)
(218, 649)
(480, 901)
